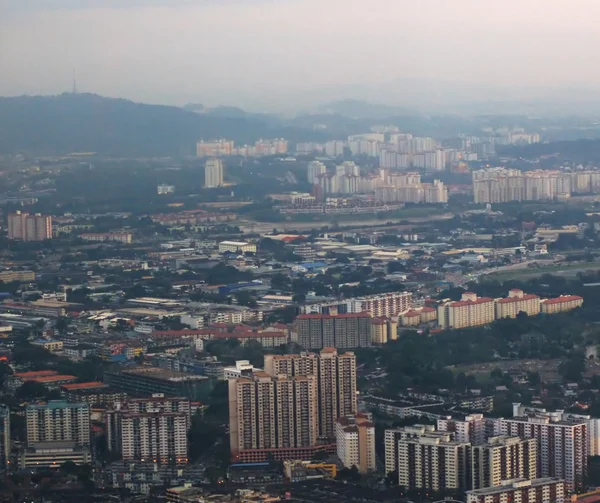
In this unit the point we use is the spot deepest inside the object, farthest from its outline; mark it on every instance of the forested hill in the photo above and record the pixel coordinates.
(47, 125)
(582, 151)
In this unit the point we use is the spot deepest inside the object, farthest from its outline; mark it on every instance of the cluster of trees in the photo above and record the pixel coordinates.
(424, 361)
(230, 350)
(37, 358)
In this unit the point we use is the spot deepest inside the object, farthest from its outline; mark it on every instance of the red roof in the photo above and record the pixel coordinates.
(563, 298)
(428, 310)
(506, 300)
(412, 314)
(53, 378)
(594, 498)
(248, 335)
(327, 316)
(36, 373)
(84, 385)
(328, 350)
(162, 333)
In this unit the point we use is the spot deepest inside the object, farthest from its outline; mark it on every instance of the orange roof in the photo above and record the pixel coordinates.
(84, 385)
(594, 498)
(36, 373)
(462, 303)
(563, 298)
(53, 378)
(246, 335)
(203, 331)
(327, 316)
(507, 300)
(328, 350)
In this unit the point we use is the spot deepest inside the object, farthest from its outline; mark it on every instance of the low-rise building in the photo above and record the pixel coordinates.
(119, 237)
(240, 369)
(517, 302)
(22, 276)
(53, 455)
(546, 490)
(470, 311)
(94, 393)
(143, 381)
(237, 247)
(49, 345)
(561, 304)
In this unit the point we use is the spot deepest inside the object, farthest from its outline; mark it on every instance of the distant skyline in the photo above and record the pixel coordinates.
(292, 54)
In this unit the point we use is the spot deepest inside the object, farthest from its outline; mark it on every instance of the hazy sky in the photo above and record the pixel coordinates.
(252, 52)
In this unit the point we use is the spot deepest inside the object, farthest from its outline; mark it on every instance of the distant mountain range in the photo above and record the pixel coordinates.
(54, 125)
(50, 125)
(362, 109)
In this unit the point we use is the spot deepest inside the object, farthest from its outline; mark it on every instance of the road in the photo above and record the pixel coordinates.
(348, 226)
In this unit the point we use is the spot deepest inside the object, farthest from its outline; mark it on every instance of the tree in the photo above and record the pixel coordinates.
(62, 324)
(534, 378)
(572, 369)
(245, 298)
(69, 467)
(5, 372)
(350, 474)
(395, 266)
(298, 298)
(280, 281)
(32, 390)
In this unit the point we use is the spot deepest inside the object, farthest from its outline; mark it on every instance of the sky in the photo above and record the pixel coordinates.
(270, 54)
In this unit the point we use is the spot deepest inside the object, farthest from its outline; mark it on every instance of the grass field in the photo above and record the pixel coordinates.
(565, 270)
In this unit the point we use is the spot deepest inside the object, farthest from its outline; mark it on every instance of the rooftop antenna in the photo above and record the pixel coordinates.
(74, 83)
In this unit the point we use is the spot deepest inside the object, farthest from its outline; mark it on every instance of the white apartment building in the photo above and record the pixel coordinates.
(150, 429)
(213, 173)
(433, 462)
(355, 441)
(470, 428)
(503, 458)
(517, 302)
(314, 170)
(334, 148)
(546, 490)
(427, 459)
(470, 311)
(391, 438)
(562, 445)
(387, 304)
(58, 421)
(158, 436)
(592, 423)
(499, 185)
